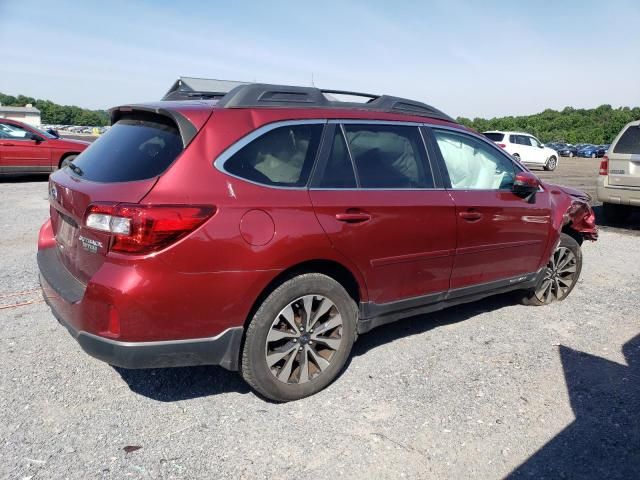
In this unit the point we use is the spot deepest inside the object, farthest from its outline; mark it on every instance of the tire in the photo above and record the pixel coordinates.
(561, 274)
(517, 157)
(552, 163)
(615, 213)
(65, 161)
(283, 357)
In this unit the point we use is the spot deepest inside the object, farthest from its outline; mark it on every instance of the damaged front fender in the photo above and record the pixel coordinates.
(573, 211)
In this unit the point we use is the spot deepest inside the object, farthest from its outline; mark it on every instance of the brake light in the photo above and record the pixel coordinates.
(502, 145)
(604, 166)
(145, 228)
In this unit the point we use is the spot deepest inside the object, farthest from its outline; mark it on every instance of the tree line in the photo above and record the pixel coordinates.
(54, 114)
(572, 125)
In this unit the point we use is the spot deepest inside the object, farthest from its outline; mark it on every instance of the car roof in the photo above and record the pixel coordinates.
(510, 133)
(262, 95)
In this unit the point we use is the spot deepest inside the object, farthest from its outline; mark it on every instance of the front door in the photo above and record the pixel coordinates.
(20, 153)
(537, 151)
(500, 235)
(374, 195)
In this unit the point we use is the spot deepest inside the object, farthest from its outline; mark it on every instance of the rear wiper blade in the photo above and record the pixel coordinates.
(76, 169)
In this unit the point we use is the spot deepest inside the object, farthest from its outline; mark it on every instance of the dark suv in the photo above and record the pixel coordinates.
(266, 229)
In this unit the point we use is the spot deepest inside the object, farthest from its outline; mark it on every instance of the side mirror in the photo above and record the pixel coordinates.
(526, 184)
(53, 132)
(36, 138)
(540, 146)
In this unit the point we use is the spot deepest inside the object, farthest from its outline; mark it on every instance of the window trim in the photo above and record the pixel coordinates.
(443, 166)
(234, 148)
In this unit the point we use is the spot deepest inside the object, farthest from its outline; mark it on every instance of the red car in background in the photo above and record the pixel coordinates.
(265, 231)
(26, 149)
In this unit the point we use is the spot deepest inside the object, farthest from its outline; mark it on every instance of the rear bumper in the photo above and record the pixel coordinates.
(221, 350)
(620, 195)
(67, 298)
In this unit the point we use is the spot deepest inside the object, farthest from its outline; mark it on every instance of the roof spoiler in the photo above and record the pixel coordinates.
(185, 127)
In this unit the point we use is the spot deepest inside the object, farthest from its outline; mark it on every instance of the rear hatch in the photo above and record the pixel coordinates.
(624, 158)
(119, 168)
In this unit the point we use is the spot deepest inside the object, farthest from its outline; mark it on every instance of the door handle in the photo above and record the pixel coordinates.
(353, 217)
(471, 216)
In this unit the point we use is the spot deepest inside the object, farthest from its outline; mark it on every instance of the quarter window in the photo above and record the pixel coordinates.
(281, 157)
(389, 156)
(473, 164)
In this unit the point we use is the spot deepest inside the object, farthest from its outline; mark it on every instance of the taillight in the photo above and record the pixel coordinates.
(145, 228)
(502, 145)
(604, 166)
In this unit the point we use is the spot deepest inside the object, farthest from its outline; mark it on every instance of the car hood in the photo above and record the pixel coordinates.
(574, 192)
(69, 143)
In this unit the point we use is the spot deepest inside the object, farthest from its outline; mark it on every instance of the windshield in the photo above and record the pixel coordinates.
(43, 133)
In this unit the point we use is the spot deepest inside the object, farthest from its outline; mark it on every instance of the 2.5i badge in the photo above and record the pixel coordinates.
(90, 245)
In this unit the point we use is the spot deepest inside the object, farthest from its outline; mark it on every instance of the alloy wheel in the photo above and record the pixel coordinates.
(303, 339)
(551, 164)
(559, 276)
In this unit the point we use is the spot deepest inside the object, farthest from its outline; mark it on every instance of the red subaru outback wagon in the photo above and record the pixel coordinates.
(265, 229)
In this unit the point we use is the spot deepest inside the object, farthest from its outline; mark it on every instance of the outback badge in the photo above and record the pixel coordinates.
(89, 244)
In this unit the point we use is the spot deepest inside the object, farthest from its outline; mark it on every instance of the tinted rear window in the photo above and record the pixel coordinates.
(495, 137)
(134, 148)
(629, 142)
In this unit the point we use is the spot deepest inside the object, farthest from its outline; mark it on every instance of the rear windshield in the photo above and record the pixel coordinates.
(134, 148)
(496, 137)
(629, 141)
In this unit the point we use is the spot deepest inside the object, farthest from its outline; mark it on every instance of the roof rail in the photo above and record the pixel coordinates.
(182, 95)
(256, 95)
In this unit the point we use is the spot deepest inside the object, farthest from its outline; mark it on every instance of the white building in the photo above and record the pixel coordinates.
(28, 114)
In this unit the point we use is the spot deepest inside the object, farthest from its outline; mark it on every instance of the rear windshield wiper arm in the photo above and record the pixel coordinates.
(76, 169)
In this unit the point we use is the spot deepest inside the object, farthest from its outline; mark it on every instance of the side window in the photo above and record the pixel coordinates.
(338, 172)
(14, 132)
(524, 140)
(283, 156)
(472, 164)
(514, 139)
(534, 142)
(389, 156)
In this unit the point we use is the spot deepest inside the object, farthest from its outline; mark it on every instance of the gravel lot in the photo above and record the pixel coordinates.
(483, 390)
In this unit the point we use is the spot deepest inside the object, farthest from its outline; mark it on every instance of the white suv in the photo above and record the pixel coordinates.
(618, 184)
(526, 148)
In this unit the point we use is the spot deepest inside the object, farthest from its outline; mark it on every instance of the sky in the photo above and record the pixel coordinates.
(468, 58)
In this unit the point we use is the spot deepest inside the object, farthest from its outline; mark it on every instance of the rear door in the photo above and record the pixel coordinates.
(376, 197)
(120, 167)
(500, 235)
(537, 150)
(20, 153)
(624, 157)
